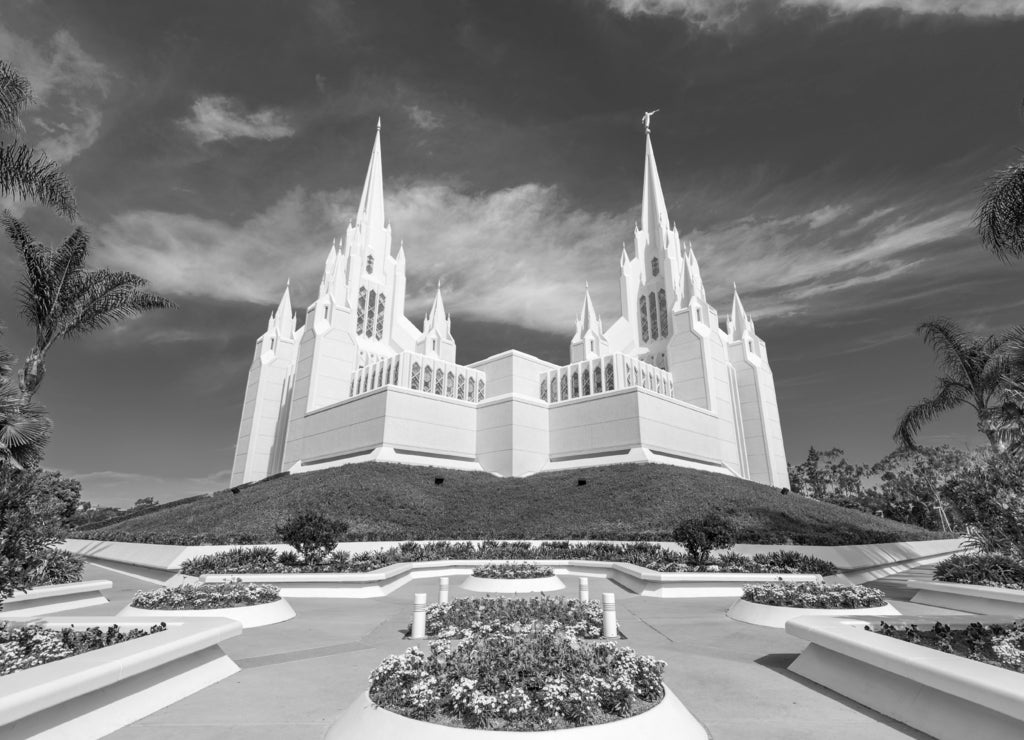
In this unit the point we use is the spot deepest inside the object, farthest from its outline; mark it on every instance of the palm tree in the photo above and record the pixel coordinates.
(24, 428)
(1000, 215)
(974, 374)
(62, 299)
(24, 172)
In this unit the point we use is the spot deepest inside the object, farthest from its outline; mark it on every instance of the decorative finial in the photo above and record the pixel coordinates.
(439, 283)
(586, 285)
(647, 120)
(378, 123)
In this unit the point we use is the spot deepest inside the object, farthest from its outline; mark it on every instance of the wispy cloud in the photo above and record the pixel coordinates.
(423, 118)
(115, 488)
(218, 118)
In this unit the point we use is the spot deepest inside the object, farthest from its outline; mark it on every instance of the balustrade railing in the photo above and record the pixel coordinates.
(420, 373)
(601, 375)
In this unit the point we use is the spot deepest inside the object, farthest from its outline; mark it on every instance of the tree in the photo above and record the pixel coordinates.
(24, 428)
(974, 374)
(24, 172)
(910, 485)
(145, 503)
(827, 476)
(699, 536)
(312, 534)
(62, 299)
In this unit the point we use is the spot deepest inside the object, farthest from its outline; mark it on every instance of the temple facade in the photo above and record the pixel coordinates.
(358, 381)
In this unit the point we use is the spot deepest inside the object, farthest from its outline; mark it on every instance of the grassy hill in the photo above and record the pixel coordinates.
(397, 502)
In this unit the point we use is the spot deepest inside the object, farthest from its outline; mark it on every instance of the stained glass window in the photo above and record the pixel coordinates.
(663, 313)
(654, 317)
(609, 376)
(380, 316)
(597, 379)
(361, 311)
(644, 331)
(370, 306)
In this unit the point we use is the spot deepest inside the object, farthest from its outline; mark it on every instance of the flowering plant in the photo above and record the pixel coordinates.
(996, 644)
(543, 678)
(814, 595)
(206, 596)
(31, 645)
(467, 618)
(513, 570)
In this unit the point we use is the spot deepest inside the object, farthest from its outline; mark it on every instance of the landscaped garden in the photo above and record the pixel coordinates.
(995, 644)
(189, 596)
(27, 646)
(466, 618)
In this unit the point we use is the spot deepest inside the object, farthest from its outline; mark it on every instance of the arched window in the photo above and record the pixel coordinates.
(609, 376)
(655, 269)
(361, 311)
(370, 306)
(654, 317)
(415, 384)
(575, 384)
(563, 388)
(461, 390)
(543, 389)
(449, 389)
(439, 382)
(586, 382)
(597, 379)
(663, 313)
(380, 316)
(480, 391)
(472, 389)
(427, 378)
(369, 264)
(644, 331)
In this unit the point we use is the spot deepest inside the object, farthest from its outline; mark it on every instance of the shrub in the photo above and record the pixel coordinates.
(206, 596)
(312, 534)
(996, 644)
(986, 497)
(814, 595)
(982, 569)
(60, 566)
(259, 559)
(703, 534)
(464, 618)
(512, 570)
(31, 645)
(789, 561)
(541, 679)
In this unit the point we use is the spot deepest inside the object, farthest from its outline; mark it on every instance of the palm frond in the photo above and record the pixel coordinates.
(106, 297)
(15, 95)
(948, 395)
(953, 347)
(30, 175)
(1000, 215)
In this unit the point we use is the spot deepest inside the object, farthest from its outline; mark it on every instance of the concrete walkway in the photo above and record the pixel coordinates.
(297, 676)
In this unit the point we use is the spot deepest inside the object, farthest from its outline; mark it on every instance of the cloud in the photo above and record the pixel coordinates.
(719, 15)
(114, 488)
(218, 118)
(68, 85)
(423, 118)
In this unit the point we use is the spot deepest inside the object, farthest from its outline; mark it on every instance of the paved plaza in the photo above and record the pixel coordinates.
(299, 675)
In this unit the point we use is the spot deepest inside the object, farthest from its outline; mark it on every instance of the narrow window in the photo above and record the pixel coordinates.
(480, 391)
(654, 266)
(472, 389)
(644, 331)
(544, 389)
(369, 264)
(361, 311)
(415, 376)
(461, 394)
(654, 317)
(433, 345)
(663, 312)
(449, 389)
(597, 379)
(380, 316)
(586, 382)
(271, 343)
(427, 378)
(750, 346)
(699, 319)
(590, 345)
(385, 373)
(609, 376)
(629, 375)
(352, 386)
(371, 304)
(439, 382)
(575, 384)
(563, 388)
(326, 310)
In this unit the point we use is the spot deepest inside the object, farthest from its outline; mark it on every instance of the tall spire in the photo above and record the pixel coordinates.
(284, 319)
(653, 214)
(437, 318)
(739, 320)
(371, 204)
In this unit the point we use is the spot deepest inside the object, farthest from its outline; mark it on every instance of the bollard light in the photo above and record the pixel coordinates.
(442, 592)
(610, 629)
(584, 589)
(419, 617)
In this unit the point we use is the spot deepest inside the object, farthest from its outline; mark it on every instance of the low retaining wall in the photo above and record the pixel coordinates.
(512, 585)
(91, 695)
(943, 695)
(364, 720)
(766, 615)
(257, 615)
(54, 599)
(388, 579)
(967, 598)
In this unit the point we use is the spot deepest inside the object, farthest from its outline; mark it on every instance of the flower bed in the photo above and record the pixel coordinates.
(814, 595)
(982, 569)
(537, 680)
(27, 646)
(995, 644)
(206, 596)
(512, 570)
(469, 618)
(651, 556)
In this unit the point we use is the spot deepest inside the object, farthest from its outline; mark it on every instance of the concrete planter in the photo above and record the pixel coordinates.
(512, 585)
(92, 695)
(942, 695)
(364, 720)
(777, 616)
(965, 597)
(54, 599)
(257, 615)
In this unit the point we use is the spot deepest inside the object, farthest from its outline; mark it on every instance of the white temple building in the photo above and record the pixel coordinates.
(358, 381)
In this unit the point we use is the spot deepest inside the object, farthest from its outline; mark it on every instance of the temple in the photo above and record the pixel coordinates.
(358, 381)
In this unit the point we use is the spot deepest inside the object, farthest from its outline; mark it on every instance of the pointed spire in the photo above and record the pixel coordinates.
(437, 318)
(653, 214)
(739, 320)
(284, 319)
(371, 204)
(588, 320)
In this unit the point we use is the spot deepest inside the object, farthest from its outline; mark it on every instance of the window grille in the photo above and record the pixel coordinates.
(654, 266)
(472, 389)
(415, 383)
(586, 382)
(654, 317)
(361, 311)
(450, 387)
(370, 306)
(439, 382)
(644, 331)
(563, 388)
(575, 384)
(369, 264)
(597, 379)
(544, 389)
(427, 378)
(461, 393)
(380, 316)
(609, 376)
(663, 312)
(480, 391)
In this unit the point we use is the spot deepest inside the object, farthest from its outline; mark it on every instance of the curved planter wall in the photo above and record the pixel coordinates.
(364, 720)
(53, 599)
(257, 615)
(512, 585)
(777, 616)
(968, 598)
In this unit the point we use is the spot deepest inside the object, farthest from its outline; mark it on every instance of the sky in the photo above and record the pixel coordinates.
(824, 155)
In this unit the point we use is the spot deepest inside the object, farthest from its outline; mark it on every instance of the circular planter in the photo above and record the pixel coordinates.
(512, 585)
(364, 720)
(777, 616)
(257, 615)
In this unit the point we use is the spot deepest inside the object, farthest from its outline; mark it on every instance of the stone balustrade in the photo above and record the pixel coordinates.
(420, 373)
(601, 375)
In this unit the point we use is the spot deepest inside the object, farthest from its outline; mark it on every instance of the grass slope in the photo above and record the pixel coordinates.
(397, 502)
